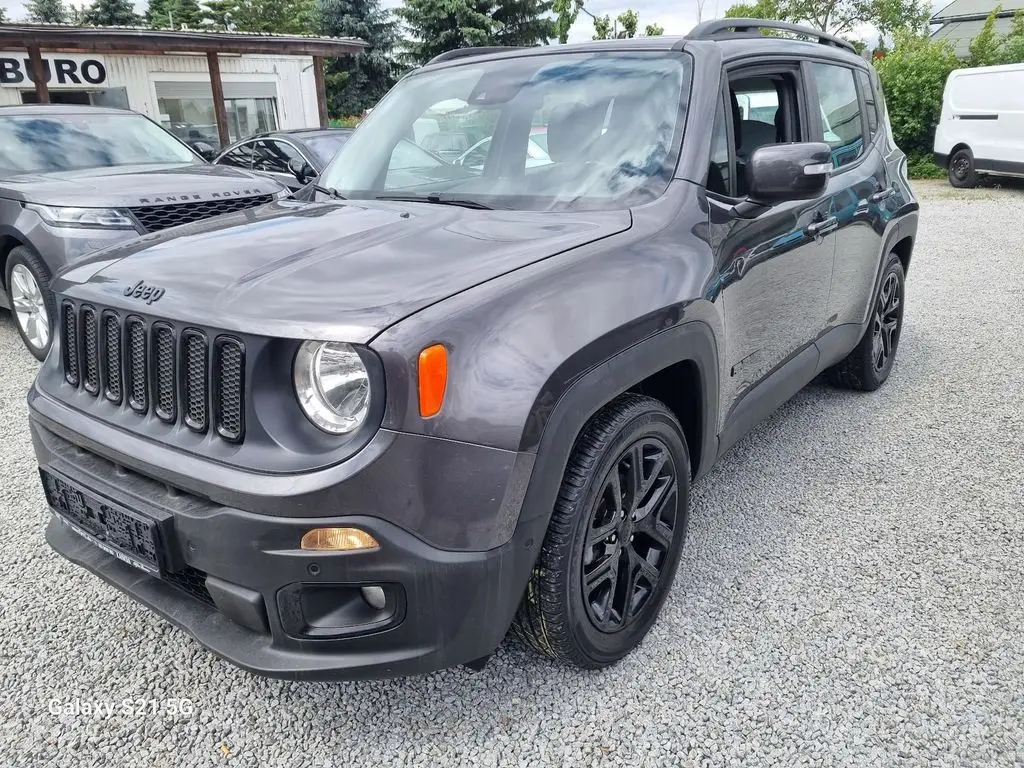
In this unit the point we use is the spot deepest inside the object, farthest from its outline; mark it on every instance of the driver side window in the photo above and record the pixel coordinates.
(764, 109)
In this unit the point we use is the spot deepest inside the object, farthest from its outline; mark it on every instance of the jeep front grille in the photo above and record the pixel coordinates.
(153, 218)
(153, 367)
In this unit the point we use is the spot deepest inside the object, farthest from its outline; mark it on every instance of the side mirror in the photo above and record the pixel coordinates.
(206, 151)
(777, 173)
(301, 170)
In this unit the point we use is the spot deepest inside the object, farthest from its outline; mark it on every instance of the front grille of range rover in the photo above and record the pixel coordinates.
(180, 375)
(153, 218)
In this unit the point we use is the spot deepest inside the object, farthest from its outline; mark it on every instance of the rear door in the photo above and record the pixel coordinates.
(860, 188)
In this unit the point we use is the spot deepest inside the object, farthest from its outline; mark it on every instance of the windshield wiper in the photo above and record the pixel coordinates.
(331, 192)
(436, 200)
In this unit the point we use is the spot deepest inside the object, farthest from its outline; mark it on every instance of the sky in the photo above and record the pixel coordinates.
(676, 16)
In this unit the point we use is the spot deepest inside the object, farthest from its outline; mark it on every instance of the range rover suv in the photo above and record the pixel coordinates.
(76, 179)
(366, 432)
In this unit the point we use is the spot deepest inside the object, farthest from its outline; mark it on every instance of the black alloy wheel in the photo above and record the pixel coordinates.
(612, 547)
(886, 324)
(869, 364)
(629, 535)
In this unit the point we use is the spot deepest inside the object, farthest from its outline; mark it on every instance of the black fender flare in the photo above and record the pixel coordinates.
(581, 399)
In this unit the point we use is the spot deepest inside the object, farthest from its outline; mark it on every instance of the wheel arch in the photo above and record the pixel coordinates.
(9, 240)
(678, 365)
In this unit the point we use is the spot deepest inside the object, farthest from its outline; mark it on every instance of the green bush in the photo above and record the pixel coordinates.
(349, 121)
(923, 167)
(913, 77)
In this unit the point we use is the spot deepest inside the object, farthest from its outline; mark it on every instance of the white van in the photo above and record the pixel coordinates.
(981, 130)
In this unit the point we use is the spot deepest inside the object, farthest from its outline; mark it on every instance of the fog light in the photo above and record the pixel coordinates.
(374, 596)
(338, 540)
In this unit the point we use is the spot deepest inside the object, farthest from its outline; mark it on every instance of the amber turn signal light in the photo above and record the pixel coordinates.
(433, 378)
(338, 540)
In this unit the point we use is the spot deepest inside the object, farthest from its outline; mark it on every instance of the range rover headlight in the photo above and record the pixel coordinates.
(90, 218)
(333, 386)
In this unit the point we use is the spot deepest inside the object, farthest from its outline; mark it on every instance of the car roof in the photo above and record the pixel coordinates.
(62, 109)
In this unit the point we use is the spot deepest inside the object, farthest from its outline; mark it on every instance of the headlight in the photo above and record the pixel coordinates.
(333, 386)
(94, 218)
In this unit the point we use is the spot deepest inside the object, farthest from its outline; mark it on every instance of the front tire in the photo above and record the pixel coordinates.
(870, 363)
(962, 173)
(615, 537)
(32, 303)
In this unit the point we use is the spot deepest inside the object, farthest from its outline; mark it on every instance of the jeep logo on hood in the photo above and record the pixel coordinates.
(148, 293)
(190, 197)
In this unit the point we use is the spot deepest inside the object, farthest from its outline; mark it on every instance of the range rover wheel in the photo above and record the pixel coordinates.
(962, 173)
(615, 537)
(32, 305)
(869, 365)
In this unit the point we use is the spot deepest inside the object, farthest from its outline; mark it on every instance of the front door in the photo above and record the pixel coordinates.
(774, 270)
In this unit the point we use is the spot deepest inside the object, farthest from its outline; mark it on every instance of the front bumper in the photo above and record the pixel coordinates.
(941, 160)
(249, 594)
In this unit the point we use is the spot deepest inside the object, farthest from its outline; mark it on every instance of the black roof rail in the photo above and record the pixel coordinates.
(719, 28)
(459, 53)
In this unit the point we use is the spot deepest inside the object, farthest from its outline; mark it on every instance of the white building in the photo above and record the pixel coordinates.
(268, 82)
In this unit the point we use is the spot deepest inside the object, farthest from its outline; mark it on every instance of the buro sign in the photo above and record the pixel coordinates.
(62, 70)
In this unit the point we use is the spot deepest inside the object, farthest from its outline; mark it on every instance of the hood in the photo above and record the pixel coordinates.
(128, 186)
(343, 271)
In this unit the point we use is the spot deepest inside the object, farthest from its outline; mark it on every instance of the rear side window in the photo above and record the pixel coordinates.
(870, 107)
(840, 112)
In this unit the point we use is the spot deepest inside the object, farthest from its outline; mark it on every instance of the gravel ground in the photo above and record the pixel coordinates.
(850, 593)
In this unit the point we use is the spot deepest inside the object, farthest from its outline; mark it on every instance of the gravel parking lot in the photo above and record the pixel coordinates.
(851, 592)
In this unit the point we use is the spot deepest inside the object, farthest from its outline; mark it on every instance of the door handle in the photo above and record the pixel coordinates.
(823, 227)
(884, 194)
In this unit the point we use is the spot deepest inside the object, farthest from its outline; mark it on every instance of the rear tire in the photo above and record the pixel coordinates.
(962, 173)
(611, 551)
(32, 304)
(870, 363)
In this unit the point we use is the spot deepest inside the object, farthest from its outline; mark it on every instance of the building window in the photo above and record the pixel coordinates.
(186, 110)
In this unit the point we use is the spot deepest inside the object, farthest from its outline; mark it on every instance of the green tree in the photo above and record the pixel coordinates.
(437, 26)
(984, 50)
(111, 13)
(218, 13)
(47, 11)
(840, 17)
(626, 25)
(566, 12)
(358, 81)
(157, 15)
(523, 22)
(187, 14)
(1013, 44)
(913, 77)
(284, 17)
(3, 16)
(174, 14)
(762, 9)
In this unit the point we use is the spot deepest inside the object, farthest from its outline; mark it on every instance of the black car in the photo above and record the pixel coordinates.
(365, 432)
(293, 158)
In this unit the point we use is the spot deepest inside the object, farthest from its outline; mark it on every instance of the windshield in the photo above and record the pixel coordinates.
(325, 146)
(31, 143)
(540, 132)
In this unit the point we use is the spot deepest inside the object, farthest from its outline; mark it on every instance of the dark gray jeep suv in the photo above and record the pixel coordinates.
(366, 432)
(76, 179)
